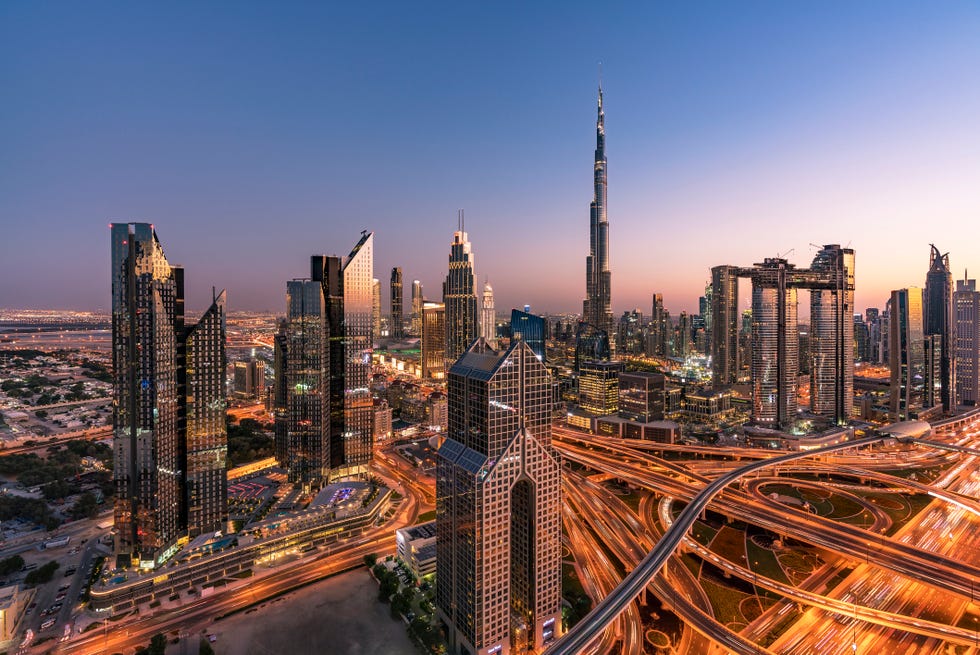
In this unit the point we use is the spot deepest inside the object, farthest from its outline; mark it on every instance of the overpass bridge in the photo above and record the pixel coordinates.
(577, 639)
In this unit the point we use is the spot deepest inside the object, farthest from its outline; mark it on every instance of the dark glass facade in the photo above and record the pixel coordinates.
(532, 328)
(167, 394)
(397, 321)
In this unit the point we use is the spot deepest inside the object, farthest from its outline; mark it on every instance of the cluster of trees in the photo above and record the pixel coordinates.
(248, 442)
(11, 564)
(420, 627)
(86, 507)
(42, 574)
(158, 646)
(97, 371)
(33, 510)
(56, 471)
(32, 385)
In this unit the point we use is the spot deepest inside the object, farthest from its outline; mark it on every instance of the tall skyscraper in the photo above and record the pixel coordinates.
(488, 317)
(937, 308)
(205, 430)
(597, 308)
(657, 332)
(417, 300)
(966, 304)
(433, 340)
(301, 365)
(397, 322)
(375, 309)
(281, 392)
(832, 333)
(776, 338)
(906, 350)
(347, 294)
(498, 506)
(724, 325)
(775, 345)
(169, 438)
(459, 296)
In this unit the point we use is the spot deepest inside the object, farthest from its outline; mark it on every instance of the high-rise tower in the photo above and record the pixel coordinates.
(417, 301)
(347, 295)
(488, 317)
(724, 325)
(498, 506)
(302, 359)
(597, 309)
(205, 430)
(832, 334)
(937, 319)
(966, 303)
(397, 322)
(775, 344)
(375, 309)
(906, 349)
(459, 296)
(169, 438)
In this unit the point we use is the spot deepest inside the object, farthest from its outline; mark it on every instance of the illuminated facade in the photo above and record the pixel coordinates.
(433, 340)
(937, 320)
(488, 317)
(168, 389)
(206, 430)
(302, 364)
(906, 349)
(966, 304)
(375, 309)
(459, 297)
(724, 325)
(775, 335)
(596, 308)
(347, 294)
(832, 334)
(417, 300)
(397, 321)
(498, 506)
(598, 386)
(775, 346)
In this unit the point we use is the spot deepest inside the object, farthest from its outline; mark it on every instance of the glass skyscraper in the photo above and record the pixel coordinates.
(397, 323)
(302, 365)
(937, 318)
(169, 435)
(459, 296)
(498, 506)
(347, 293)
(597, 308)
(906, 350)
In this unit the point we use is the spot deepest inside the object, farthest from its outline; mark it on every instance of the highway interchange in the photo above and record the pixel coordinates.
(897, 587)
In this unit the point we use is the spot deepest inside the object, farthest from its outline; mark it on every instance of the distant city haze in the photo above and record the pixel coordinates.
(255, 137)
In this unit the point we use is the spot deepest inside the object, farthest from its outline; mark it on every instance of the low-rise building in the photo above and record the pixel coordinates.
(417, 547)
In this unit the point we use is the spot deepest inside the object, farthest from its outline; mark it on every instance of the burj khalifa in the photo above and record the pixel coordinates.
(596, 309)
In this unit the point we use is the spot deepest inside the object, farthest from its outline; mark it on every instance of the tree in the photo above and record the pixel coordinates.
(41, 575)
(11, 564)
(370, 560)
(85, 507)
(205, 648)
(158, 644)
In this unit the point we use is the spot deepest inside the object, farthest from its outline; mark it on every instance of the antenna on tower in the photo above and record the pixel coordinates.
(461, 221)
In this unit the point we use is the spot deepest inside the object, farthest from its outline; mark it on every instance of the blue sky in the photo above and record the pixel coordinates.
(254, 135)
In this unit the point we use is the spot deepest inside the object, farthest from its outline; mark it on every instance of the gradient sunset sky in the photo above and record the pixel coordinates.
(254, 135)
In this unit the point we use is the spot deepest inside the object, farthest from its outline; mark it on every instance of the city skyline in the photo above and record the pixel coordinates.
(844, 137)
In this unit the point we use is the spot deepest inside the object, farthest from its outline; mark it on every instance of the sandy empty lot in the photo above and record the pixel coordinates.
(339, 616)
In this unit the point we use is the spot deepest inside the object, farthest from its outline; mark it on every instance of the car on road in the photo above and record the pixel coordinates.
(47, 624)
